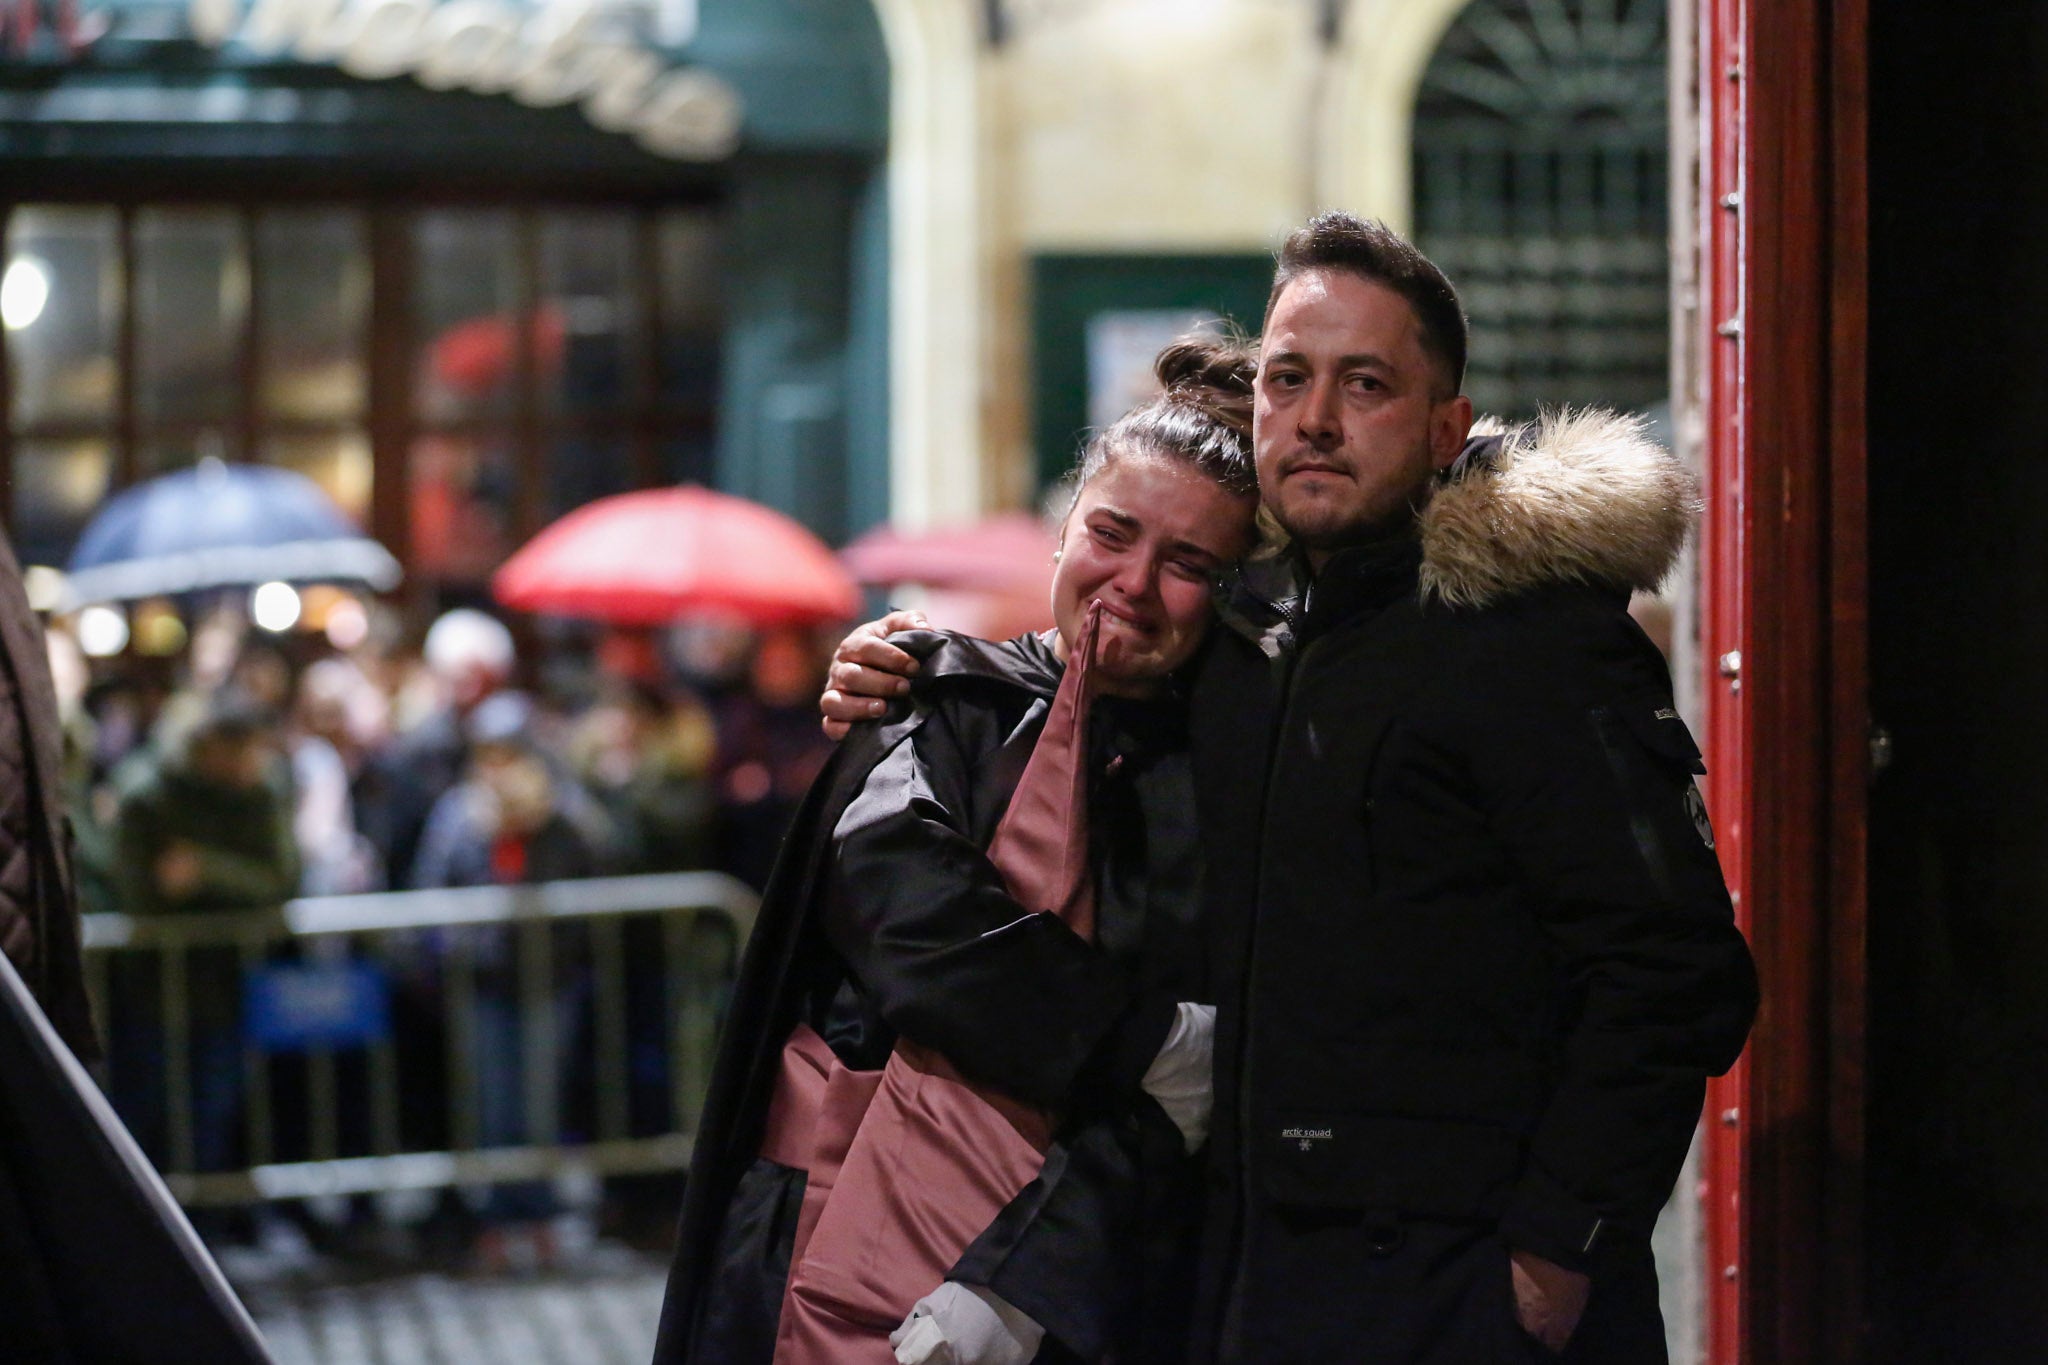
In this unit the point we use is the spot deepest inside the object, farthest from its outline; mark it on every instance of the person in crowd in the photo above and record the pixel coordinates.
(513, 819)
(264, 670)
(469, 656)
(647, 757)
(203, 824)
(335, 857)
(907, 978)
(768, 752)
(110, 738)
(646, 754)
(1480, 958)
(204, 820)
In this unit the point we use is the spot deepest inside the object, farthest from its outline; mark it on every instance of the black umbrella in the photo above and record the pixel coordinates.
(97, 1262)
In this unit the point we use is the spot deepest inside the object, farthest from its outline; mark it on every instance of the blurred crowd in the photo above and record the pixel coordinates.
(255, 767)
(259, 766)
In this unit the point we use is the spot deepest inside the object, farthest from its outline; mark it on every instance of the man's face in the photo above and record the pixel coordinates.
(1349, 422)
(237, 761)
(1146, 538)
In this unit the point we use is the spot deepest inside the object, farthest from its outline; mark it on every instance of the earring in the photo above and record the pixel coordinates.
(1056, 556)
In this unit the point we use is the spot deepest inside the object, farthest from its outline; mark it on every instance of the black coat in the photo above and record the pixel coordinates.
(884, 917)
(1489, 956)
(38, 893)
(97, 1262)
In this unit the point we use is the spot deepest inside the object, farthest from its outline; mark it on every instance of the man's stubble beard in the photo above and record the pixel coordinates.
(1377, 524)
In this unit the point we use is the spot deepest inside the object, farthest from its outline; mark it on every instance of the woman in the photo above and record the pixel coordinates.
(888, 932)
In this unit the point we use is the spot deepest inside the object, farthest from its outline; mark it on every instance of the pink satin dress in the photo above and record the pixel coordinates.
(906, 1166)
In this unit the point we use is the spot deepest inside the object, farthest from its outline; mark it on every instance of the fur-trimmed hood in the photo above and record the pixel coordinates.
(1579, 495)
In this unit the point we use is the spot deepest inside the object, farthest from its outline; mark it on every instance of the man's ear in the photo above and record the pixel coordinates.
(1450, 423)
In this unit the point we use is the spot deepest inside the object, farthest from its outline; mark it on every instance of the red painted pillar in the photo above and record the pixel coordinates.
(1782, 209)
(1722, 87)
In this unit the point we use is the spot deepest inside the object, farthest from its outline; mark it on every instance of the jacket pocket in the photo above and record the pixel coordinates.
(1655, 760)
(1422, 1167)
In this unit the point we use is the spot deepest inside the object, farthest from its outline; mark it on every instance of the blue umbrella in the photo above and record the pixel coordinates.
(216, 526)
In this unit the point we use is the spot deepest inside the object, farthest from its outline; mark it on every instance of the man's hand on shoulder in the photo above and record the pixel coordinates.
(867, 671)
(1549, 1300)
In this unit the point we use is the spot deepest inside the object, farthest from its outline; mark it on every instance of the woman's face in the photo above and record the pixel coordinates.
(1146, 538)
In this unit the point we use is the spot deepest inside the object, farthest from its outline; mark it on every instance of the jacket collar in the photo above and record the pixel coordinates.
(1581, 496)
(1360, 580)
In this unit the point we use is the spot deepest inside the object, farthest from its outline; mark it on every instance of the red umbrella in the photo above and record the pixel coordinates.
(642, 559)
(1009, 554)
(476, 356)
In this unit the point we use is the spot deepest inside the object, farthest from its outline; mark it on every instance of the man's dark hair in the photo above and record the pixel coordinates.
(232, 714)
(1371, 250)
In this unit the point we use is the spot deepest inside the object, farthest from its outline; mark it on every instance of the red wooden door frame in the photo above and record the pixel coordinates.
(1783, 575)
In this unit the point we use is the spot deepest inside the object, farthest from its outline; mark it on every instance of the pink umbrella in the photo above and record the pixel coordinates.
(1010, 553)
(990, 578)
(643, 559)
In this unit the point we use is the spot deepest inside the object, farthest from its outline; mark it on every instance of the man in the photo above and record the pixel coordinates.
(469, 656)
(1485, 957)
(204, 824)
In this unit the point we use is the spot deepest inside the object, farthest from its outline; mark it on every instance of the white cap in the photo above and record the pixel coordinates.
(464, 641)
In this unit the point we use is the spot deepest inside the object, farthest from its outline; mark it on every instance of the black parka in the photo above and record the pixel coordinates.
(1489, 959)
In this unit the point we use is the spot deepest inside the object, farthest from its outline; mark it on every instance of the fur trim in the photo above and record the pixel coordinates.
(1580, 495)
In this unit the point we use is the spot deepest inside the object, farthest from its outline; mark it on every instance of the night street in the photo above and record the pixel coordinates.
(599, 1314)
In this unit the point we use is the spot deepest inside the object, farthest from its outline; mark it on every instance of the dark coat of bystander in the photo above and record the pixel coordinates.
(38, 899)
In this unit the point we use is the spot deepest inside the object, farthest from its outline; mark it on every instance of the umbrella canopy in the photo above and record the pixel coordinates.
(220, 525)
(1010, 554)
(643, 559)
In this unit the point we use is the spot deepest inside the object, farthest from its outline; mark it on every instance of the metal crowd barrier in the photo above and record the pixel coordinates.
(335, 947)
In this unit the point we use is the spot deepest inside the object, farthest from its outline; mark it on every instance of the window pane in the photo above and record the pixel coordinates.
(60, 301)
(463, 497)
(692, 313)
(582, 468)
(314, 269)
(191, 298)
(339, 462)
(467, 301)
(690, 457)
(159, 452)
(588, 329)
(58, 485)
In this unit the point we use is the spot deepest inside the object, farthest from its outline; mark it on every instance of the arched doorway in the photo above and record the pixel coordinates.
(1540, 174)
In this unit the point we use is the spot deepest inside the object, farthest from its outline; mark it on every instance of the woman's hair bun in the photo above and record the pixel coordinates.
(1214, 373)
(1200, 360)
(1204, 419)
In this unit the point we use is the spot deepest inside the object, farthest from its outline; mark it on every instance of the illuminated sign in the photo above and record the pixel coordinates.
(563, 52)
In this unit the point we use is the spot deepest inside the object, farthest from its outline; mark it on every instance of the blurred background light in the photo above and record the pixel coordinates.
(275, 606)
(102, 632)
(24, 290)
(347, 624)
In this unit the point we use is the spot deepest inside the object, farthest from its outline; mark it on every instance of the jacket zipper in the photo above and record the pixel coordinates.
(1291, 666)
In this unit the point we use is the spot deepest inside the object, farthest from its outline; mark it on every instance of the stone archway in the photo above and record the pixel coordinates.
(1369, 112)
